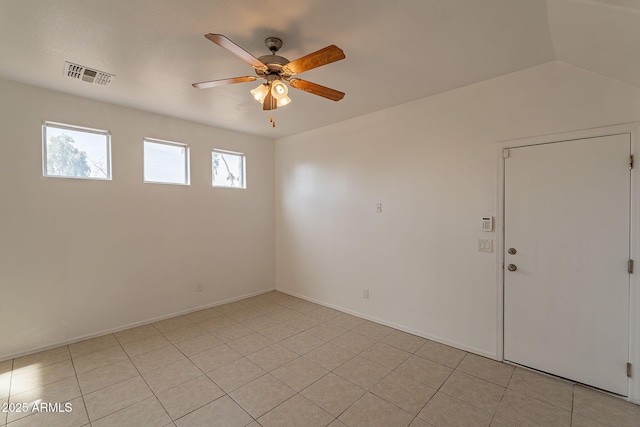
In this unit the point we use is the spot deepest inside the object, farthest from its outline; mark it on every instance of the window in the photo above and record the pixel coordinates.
(166, 162)
(227, 169)
(75, 152)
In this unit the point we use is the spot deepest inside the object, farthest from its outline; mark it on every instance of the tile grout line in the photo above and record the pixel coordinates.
(416, 417)
(573, 385)
(84, 404)
(120, 382)
(493, 416)
(207, 376)
(145, 380)
(13, 362)
(331, 371)
(217, 385)
(573, 397)
(233, 400)
(367, 391)
(201, 371)
(269, 373)
(438, 389)
(139, 374)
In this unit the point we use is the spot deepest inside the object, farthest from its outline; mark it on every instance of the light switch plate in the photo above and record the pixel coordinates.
(485, 245)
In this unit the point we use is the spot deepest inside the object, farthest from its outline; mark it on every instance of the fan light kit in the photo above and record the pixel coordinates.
(277, 71)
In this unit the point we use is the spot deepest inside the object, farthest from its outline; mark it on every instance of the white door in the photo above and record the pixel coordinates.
(566, 305)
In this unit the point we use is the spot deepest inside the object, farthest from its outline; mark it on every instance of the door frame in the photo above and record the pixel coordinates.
(634, 292)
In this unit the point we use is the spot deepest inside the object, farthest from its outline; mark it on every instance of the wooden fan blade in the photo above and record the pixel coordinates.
(224, 42)
(313, 60)
(214, 83)
(316, 89)
(270, 103)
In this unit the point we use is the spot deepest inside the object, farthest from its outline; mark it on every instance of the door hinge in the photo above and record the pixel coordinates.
(505, 153)
(629, 370)
(631, 161)
(630, 266)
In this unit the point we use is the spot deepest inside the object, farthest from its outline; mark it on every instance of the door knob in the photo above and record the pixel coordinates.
(512, 267)
(512, 251)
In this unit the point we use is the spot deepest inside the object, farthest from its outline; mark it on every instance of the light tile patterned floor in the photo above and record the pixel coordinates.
(275, 360)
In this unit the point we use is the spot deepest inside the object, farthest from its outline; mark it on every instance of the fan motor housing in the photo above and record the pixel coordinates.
(273, 62)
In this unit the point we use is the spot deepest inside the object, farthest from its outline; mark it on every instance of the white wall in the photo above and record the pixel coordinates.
(79, 257)
(135, 251)
(433, 165)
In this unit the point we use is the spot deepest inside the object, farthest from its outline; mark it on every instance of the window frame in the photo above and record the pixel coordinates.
(244, 168)
(187, 160)
(107, 134)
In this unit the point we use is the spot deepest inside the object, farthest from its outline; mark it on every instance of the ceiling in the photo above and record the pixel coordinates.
(396, 51)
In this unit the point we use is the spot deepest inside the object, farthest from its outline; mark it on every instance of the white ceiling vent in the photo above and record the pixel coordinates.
(81, 72)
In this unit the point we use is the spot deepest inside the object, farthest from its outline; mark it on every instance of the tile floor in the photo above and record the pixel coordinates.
(275, 360)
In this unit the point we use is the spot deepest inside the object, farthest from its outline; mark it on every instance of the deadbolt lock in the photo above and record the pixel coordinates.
(512, 267)
(512, 251)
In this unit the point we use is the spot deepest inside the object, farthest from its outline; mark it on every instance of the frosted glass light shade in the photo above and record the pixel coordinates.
(283, 101)
(260, 92)
(279, 90)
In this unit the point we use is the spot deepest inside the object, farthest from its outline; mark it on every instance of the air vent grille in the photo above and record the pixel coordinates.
(89, 75)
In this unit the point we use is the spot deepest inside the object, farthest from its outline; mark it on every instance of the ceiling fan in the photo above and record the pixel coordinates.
(277, 70)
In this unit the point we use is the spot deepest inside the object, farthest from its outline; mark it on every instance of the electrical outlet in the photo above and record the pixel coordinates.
(199, 287)
(365, 293)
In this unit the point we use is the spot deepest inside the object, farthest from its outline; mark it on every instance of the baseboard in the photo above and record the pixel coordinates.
(403, 328)
(130, 325)
(241, 297)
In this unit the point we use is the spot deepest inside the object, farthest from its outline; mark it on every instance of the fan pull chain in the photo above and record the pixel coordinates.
(273, 122)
